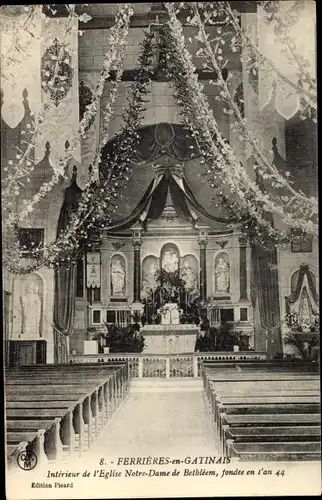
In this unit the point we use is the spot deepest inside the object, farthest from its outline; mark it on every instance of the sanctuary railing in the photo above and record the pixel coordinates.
(168, 366)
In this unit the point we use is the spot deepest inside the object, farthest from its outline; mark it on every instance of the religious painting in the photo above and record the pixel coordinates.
(222, 274)
(118, 276)
(31, 305)
(170, 258)
(189, 272)
(150, 268)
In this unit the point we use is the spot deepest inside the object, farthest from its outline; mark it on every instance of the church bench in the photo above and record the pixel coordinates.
(49, 444)
(95, 398)
(229, 421)
(270, 434)
(262, 380)
(275, 451)
(121, 370)
(32, 441)
(248, 386)
(266, 409)
(117, 388)
(102, 391)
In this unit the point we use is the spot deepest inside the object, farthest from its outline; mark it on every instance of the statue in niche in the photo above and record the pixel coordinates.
(222, 276)
(151, 275)
(31, 310)
(170, 262)
(305, 315)
(118, 278)
(188, 275)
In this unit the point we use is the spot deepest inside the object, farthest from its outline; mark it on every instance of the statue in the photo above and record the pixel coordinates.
(188, 275)
(170, 262)
(118, 278)
(150, 276)
(175, 318)
(31, 308)
(222, 276)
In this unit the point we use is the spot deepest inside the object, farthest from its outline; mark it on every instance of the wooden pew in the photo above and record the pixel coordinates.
(263, 392)
(22, 385)
(276, 451)
(270, 434)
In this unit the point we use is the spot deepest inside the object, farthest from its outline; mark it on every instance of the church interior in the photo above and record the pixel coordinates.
(162, 283)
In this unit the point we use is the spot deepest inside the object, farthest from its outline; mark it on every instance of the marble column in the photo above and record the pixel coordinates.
(203, 269)
(137, 271)
(242, 267)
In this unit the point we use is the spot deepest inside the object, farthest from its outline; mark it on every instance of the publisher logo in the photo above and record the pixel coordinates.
(27, 460)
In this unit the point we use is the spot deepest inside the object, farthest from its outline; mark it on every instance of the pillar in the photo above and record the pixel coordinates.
(203, 264)
(242, 268)
(137, 271)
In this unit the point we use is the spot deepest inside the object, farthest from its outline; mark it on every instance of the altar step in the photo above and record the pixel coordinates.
(166, 385)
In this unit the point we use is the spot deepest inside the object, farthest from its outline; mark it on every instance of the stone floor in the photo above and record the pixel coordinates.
(166, 418)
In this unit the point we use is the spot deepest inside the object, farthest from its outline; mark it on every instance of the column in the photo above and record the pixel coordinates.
(203, 266)
(137, 271)
(242, 268)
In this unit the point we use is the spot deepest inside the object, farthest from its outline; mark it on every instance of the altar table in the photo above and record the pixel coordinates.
(169, 339)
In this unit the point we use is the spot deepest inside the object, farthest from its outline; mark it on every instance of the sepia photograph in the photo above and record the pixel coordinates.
(160, 272)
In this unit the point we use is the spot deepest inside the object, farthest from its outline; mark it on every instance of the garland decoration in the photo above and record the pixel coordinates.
(116, 45)
(99, 199)
(299, 203)
(217, 154)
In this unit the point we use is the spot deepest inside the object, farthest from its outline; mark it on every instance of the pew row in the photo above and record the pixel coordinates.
(60, 409)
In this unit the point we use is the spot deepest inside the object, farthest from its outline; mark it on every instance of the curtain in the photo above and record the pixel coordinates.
(65, 278)
(264, 264)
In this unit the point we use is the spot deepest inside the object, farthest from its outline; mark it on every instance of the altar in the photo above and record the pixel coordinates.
(169, 339)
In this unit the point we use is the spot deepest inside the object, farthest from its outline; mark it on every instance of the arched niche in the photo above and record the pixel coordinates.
(118, 276)
(29, 306)
(303, 300)
(189, 271)
(150, 267)
(170, 258)
(222, 274)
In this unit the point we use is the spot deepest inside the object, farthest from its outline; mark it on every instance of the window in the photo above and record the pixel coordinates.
(243, 314)
(96, 316)
(30, 240)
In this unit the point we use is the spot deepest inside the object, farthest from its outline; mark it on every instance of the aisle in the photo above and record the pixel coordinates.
(159, 419)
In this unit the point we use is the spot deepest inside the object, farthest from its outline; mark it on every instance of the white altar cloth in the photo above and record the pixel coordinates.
(169, 339)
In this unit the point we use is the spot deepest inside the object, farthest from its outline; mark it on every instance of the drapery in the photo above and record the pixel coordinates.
(304, 271)
(154, 200)
(265, 274)
(65, 278)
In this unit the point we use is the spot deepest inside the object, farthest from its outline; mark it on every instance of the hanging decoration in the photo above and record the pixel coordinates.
(233, 181)
(98, 201)
(93, 270)
(17, 173)
(62, 84)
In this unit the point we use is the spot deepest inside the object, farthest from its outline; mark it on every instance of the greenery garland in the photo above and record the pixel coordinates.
(98, 201)
(217, 154)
